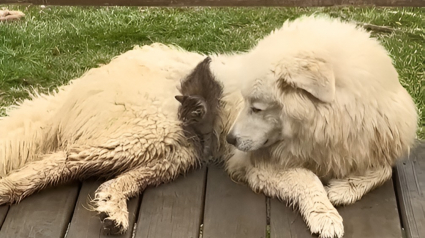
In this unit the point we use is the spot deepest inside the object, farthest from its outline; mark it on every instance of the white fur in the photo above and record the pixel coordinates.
(322, 95)
(332, 108)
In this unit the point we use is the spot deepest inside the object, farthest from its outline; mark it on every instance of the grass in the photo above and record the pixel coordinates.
(55, 44)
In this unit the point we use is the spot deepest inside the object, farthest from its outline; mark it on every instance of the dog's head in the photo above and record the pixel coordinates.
(281, 99)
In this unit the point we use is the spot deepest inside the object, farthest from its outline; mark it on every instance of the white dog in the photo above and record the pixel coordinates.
(321, 99)
(320, 94)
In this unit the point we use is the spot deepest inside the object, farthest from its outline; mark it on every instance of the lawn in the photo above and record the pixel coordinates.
(55, 44)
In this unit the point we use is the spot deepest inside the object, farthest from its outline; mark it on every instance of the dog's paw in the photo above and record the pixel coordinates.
(113, 213)
(326, 224)
(110, 226)
(343, 192)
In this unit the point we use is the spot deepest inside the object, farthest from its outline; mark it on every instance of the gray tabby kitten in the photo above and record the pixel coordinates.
(200, 105)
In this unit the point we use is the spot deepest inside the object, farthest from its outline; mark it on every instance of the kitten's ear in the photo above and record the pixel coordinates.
(180, 98)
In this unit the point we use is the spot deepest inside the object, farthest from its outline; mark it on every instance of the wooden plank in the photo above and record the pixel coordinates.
(375, 215)
(86, 224)
(410, 184)
(42, 215)
(179, 3)
(3, 212)
(286, 222)
(174, 209)
(232, 210)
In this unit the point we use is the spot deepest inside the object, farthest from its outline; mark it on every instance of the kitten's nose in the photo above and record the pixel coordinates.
(231, 139)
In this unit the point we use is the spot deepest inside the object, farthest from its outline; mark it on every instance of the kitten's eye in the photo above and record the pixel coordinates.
(197, 112)
(255, 110)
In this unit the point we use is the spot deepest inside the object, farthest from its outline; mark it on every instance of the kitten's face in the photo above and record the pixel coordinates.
(192, 109)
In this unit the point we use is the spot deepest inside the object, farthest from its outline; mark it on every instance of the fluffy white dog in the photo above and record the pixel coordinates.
(320, 100)
(320, 94)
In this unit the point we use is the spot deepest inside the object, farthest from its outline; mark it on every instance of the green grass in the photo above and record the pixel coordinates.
(55, 44)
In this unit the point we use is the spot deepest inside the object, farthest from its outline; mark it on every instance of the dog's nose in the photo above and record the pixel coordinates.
(231, 139)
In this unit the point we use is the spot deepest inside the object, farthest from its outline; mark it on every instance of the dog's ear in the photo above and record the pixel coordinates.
(313, 75)
(180, 98)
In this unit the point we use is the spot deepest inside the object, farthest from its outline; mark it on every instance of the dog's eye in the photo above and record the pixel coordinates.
(255, 110)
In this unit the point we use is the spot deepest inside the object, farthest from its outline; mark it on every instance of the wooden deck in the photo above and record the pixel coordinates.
(207, 202)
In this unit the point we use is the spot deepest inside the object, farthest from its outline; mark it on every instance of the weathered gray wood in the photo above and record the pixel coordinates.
(86, 223)
(375, 215)
(178, 3)
(42, 215)
(174, 209)
(410, 183)
(286, 221)
(3, 212)
(232, 210)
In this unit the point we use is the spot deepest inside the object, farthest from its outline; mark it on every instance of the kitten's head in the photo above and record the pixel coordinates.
(192, 109)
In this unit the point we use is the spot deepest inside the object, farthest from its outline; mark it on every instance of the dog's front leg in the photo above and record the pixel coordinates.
(111, 197)
(301, 187)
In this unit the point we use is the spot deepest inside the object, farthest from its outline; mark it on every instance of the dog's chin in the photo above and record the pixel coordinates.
(245, 147)
(268, 143)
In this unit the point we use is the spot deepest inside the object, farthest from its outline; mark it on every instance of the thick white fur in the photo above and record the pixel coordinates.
(326, 97)
(120, 115)
(119, 119)
(351, 126)
(94, 106)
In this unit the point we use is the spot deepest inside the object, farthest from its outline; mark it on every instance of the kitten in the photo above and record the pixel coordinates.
(200, 105)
